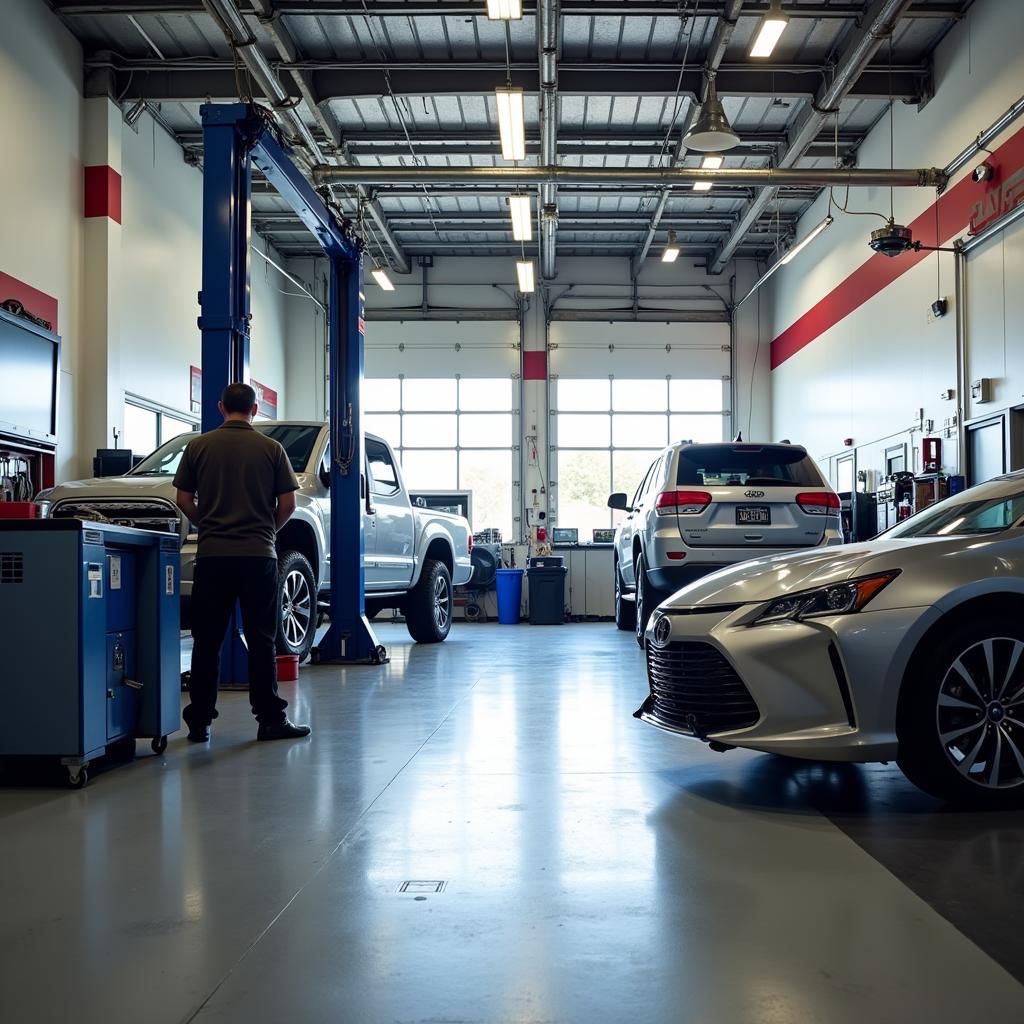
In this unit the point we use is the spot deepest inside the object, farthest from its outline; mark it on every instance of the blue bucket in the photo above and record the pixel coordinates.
(510, 595)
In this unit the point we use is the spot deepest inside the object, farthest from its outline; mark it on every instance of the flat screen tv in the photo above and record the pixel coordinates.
(29, 371)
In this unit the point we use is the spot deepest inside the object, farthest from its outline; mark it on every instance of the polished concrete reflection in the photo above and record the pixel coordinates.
(594, 869)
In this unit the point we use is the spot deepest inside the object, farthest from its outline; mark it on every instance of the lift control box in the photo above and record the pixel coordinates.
(91, 611)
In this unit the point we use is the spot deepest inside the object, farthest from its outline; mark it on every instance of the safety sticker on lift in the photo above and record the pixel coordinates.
(169, 580)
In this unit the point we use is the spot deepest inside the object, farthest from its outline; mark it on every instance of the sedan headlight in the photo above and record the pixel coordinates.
(833, 599)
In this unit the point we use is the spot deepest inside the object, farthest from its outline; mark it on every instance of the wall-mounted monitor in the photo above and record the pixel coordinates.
(29, 373)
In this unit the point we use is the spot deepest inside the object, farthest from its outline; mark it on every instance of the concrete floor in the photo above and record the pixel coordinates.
(593, 868)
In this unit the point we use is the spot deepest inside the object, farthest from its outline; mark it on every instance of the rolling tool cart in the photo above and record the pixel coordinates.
(93, 662)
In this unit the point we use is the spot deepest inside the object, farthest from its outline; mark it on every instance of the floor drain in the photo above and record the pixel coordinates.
(412, 887)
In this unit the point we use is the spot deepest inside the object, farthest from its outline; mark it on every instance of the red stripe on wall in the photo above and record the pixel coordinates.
(954, 213)
(535, 366)
(36, 302)
(103, 192)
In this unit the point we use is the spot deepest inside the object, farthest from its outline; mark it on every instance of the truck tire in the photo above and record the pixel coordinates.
(428, 608)
(296, 587)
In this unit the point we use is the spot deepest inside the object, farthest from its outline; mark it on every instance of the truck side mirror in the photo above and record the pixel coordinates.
(620, 501)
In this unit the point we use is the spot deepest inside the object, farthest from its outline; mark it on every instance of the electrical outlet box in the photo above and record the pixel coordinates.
(981, 390)
(948, 395)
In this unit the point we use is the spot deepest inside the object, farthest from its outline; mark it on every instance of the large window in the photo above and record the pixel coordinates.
(147, 426)
(452, 434)
(609, 430)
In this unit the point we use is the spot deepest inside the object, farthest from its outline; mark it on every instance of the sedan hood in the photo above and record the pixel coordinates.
(114, 487)
(762, 579)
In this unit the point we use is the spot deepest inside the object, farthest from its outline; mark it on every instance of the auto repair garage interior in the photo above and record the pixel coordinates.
(609, 291)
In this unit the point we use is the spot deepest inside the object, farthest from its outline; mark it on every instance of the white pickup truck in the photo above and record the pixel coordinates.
(413, 556)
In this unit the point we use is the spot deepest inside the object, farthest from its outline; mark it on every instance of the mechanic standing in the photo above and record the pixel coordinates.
(238, 488)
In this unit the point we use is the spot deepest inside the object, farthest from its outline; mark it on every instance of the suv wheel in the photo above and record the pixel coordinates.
(296, 628)
(961, 723)
(428, 608)
(643, 598)
(625, 611)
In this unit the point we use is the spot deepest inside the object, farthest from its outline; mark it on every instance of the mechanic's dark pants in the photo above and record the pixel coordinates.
(217, 583)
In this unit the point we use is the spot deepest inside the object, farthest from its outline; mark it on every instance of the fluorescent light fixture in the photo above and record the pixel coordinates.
(773, 24)
(524, 271)
(510, 123)
(709, 163)
(380, 275)
(522, 216)
(671, 253)
(504, 10)
(801, 245)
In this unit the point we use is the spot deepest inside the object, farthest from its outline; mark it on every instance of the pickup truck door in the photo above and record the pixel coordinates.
(392, 514)
(323, 497)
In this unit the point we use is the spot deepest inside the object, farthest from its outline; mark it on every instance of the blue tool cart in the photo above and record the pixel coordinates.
(92, 659)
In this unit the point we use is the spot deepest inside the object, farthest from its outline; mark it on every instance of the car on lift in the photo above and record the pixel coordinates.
(701, 507)
(907, 647)
(413, 556)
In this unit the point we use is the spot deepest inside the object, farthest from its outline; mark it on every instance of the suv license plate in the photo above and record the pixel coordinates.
(753, 515)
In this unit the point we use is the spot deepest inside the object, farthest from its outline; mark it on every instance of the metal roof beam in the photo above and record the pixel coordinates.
(197, 82)
(472, 8)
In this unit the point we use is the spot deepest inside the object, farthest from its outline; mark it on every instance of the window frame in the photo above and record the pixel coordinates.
(513, 452)
(665, 413)
(160, 411)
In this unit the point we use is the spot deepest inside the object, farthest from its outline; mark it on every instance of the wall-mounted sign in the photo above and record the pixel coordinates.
(998, 201)
(195, 388)
(266, 399)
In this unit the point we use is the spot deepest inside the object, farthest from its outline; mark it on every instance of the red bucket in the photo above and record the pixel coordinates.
(287, 668)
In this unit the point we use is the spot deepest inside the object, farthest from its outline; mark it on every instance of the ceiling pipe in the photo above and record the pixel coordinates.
(716, 53)
(547, 57)
(758, 177)
(879, 20)
(236, 30)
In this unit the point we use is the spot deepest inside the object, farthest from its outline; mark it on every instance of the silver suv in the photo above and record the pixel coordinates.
(702, 507)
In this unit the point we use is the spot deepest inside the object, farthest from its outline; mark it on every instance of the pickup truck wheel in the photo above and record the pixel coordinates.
(428, 608)
(296, 628)
(625, 611)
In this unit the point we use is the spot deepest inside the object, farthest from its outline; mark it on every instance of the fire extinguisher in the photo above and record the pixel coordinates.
(903, 487)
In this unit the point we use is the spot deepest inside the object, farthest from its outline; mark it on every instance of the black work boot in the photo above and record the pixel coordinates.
(198, 732)
(285, 730)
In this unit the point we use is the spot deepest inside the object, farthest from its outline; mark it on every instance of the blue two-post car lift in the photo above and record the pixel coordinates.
(235, 137)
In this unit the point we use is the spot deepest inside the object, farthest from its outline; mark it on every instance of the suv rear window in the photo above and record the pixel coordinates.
(724, 465)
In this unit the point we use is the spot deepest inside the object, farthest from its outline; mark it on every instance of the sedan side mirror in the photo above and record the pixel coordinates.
(619, 500)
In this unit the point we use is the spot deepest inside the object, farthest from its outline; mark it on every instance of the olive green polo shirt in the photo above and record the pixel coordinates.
(236, 474)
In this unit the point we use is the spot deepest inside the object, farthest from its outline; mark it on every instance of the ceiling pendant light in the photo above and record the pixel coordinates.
(511, 125)
(524, 272)
(380, 275)
(709, 163)
(522, 216)
(671, 252)
(773, 24)
(711, 131)
(504, 10)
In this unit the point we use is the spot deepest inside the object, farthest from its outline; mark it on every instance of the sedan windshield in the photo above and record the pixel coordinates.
(297, 439)
(990, 515)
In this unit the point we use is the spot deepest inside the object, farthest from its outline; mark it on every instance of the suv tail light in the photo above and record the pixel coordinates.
(819, 503)
(682, 503)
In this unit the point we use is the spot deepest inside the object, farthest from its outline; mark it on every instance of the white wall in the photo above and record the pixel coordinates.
(162, 257)
(865, 377)
(41, 177)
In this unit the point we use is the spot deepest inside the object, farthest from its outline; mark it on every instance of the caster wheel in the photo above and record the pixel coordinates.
(159, 744)
(78, 778)
(380, 655)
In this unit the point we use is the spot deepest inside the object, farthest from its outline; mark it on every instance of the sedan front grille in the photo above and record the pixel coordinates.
(695, 689)
(158, 516)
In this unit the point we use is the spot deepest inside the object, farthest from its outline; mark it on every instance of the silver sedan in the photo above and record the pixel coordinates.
(907, 647)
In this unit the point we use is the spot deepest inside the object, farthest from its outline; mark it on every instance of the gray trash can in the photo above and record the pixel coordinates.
(546, 580)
